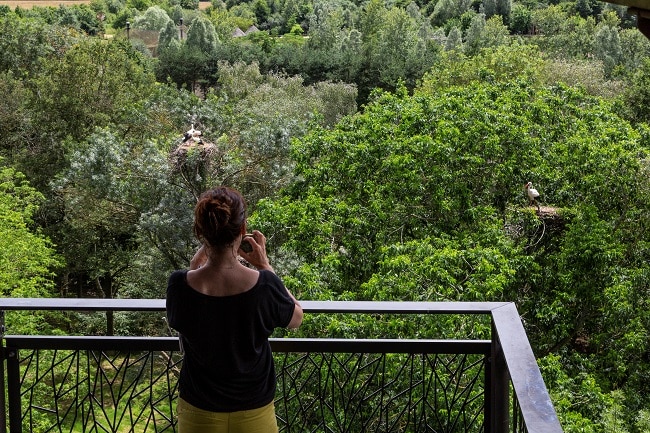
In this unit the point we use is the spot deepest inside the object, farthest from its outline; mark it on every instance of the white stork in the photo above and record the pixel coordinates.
(193, 134)
(533, 195)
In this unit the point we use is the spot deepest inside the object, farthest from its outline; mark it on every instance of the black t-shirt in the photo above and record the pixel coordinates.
(228, 365)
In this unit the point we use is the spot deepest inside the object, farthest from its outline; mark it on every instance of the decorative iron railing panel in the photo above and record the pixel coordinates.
(129, 384)
(75, 388)
(90, 391)
(335, 392)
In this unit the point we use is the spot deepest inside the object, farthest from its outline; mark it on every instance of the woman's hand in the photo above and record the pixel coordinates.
(257, 257)
(199, 259)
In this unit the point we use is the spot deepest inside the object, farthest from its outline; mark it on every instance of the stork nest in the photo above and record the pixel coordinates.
(548, 213)
(204, 148)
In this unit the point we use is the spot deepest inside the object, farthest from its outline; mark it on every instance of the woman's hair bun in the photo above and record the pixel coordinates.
(218, 216)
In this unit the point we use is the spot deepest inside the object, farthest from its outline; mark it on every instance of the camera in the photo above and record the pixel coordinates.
(245, 246)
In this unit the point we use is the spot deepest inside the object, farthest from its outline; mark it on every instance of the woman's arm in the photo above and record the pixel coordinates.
(199, 259)
(258, 258)
(296, 319)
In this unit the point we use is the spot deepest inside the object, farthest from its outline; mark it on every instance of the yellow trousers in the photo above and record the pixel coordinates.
(194, 420)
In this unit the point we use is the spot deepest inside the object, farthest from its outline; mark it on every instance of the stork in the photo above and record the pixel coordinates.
(193, 134)
(533, 195)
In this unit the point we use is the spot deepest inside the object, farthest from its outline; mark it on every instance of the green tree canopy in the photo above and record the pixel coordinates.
(28, 260)
(420, 198)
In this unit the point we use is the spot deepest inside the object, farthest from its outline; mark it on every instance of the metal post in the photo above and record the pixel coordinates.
(500, 387)
(3, 397)
(13, 389)
(128, 27)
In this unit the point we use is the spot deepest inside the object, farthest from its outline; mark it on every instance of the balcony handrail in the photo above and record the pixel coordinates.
(376, 307)
(512, 356)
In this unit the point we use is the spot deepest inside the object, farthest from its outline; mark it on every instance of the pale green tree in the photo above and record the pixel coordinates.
(473, 39)
(111, 182)
(372, 20)
(635, 48)
(549, 21)
(154, 18)
(448, 9)
(454, 40)
(202, 35)
(169, 35)
(414, 11)
(243, 15)
(637, 95)
(351, 55)
(224, 22)
(495, 33)
(326, 23)
(266, 113)
(398, 47)
(607, 47)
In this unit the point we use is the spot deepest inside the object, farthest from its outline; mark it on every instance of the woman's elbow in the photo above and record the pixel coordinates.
(296, 319)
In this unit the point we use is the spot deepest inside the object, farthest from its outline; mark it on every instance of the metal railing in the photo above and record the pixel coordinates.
(129, 384)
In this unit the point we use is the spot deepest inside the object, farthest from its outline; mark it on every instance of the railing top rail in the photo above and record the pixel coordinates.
(329, 345)
(394, 307)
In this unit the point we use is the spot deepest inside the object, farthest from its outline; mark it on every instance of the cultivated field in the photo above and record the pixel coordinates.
(28, 4)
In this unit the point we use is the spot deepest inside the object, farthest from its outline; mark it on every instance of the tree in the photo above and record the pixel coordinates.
(262, 11)
(489, 8)
(520, 19)
(190, 4)
(28, 259)
(473, 40)
(202, 36)
(637, 96)
(89, 88)
(495, 33)
(549, 21)
(168, 36)
(14, 117)
(419, 196)
(110, 184)
(154, 18)
(454, 40)
(27, 42)
(587, 8)
(326, 25)
(448, 9)
(397, 49)
(607, 47)
(635, 48)
(504, 8)
(270, 110)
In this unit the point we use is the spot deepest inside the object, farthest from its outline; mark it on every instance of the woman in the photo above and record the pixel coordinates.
(224, 313)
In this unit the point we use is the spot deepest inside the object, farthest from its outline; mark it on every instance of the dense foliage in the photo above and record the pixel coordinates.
(383, 147)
